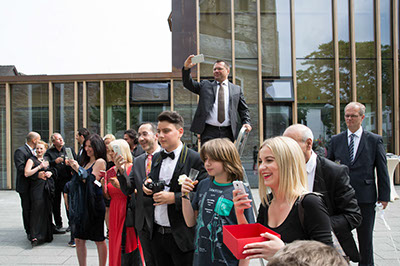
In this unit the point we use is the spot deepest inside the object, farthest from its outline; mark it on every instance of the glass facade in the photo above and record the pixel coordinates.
(93, 106)
(63, 116)
(3, 157)
(115, 108)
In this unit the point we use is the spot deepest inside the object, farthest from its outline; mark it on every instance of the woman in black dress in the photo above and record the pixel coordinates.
(282, 187)
(42, 194)
(86, 204)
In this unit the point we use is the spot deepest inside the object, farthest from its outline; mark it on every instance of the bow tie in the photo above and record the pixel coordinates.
(165, 155)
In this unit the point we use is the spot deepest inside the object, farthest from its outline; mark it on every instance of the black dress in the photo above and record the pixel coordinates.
(41, 194)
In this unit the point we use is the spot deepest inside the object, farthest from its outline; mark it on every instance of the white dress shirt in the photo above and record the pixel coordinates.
(357, 139)
(166, 171)
(311, 165)
(212, 119)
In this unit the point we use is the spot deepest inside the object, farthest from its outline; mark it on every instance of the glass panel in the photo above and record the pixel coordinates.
(185, 103)
(364, 28)
(343, 28)
(387, 105)
(278, 90)
(345, 88)
(313, 28)
(80, 104)
(93, 107)
(115, 107)
(275, 38)
(366, 91)
(386, 29)
(147, 92)
(316, 99)
(277, 118)
(215, 33)
(145, 113)
(3, 157)
(63, 98)
(29, 112)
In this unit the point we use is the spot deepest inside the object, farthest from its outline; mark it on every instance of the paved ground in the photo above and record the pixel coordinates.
(15, 249)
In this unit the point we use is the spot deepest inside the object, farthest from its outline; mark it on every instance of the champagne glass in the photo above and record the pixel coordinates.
(193, 174)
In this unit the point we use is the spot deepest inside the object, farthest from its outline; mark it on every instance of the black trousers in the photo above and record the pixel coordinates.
(144, 236)
(26, 210)
(167, 251)
(213, 132)
(365, 233)
(59, 190)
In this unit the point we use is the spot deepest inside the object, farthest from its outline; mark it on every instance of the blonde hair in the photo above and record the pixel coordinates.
(124, 147)
(43, 143)
(291, 167)
(109, 136)
(223, 150)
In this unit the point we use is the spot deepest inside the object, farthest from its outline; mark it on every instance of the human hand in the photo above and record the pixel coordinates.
(248, 127)
(44, 165)
(119, 163)
(42, 175)
(147, 191)
(74, 164)
(265, 249)
(384, 204)
(188, 62)
(188, 185)
(241, 201)
(163, 197)
(59, 160)
(48, 174)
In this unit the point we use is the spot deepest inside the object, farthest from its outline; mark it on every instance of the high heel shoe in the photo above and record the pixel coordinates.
(34, 242)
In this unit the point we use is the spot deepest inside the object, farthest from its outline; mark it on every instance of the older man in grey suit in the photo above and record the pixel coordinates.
(140, 170)
(220, 103)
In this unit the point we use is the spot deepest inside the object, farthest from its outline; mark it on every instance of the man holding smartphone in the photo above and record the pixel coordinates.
(220, 103)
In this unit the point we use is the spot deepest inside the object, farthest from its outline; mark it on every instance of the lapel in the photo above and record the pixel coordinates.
(28, 151)
(361, 146)
(156, 166)
(230, 88)
(318, 180)
(179, 166)
(214, 86)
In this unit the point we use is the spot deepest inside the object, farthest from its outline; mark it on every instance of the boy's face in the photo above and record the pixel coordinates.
(168, 135)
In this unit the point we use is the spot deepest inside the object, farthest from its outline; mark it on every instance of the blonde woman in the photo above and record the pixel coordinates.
(281, 170)
(107, 140)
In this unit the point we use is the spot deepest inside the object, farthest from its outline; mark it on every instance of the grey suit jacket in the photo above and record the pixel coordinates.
(207, 92)
(370, 155)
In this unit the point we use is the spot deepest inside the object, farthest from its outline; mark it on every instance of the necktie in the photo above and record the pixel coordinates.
(148, 165)
(351, 148)
(221, 104)
(165, 155)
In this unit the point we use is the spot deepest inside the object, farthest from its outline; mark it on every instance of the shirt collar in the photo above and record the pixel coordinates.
(312, 162)
(177, 151)
(358, 133)
(30, 148)
(155, 151)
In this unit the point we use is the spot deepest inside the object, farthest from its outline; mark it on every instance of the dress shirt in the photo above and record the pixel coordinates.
(33, 151)
(166, 172)
(357, 139)
(311, 165)
(213, 116)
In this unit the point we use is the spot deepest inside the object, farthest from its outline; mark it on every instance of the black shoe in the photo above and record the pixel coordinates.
(59, 226)
(28, 236)
(68, 229)
(57, 231)
(34, 242)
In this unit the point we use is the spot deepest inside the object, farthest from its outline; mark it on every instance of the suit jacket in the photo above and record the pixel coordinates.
(370, 155)
(183, 235)
(207, 92)
(21, 156)
(333, 182)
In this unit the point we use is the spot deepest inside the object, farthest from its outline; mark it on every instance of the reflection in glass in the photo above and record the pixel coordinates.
(277, 118)
(149, 92)
(29, 112)
(345, 88)
(3, 157)
(93, 107)
(343, 28)
(145, 113)
(63, 99)
(115, 107)
(366, 91)
(276, 38)
(313, 28)
(215, 33)
(278, 90)
(386, 29)
(364, 28)
(387, 105)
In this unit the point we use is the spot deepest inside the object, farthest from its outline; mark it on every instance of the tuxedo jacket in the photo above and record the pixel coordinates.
(370, 155)
(207, 92)
(183, 235)
(332, 181)
(21, 156)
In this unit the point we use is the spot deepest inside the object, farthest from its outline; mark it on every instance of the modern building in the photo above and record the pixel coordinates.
(299, 61)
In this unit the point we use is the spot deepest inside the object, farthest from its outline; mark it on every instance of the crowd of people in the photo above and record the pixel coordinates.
(138, 191)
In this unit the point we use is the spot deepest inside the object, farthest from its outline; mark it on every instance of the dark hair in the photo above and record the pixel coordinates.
(171, 117)
(227, 66)
(133, 135)
(153, 127)
(99, 149)
(83, 132)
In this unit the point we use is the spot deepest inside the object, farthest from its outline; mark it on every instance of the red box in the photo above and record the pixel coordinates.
(237, 236)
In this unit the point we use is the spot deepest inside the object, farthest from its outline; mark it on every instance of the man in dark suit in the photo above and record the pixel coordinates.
(333, 182)
(131, 137)
(80, 136)
(148, 139)
(363, 152)
(21, 156)
(172, 241)
(218, 109)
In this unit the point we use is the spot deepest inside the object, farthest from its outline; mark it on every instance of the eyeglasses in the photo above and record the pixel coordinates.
(351, 116)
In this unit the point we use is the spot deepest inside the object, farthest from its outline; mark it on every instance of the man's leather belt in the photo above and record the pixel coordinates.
(163, 229)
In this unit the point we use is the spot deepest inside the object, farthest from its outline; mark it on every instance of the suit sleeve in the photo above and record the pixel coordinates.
(331, 153)
(189, 83)
(243, 109)
(19, 161)
(127, 183)
(382, 172)
(347, 214)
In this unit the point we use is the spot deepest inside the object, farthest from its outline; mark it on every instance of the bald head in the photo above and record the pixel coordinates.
(303, 136)
(32, 139)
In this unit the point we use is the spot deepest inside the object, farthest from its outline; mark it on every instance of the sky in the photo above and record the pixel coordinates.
(85, 36)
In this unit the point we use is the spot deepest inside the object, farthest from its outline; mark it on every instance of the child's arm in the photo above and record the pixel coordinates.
(188, 213)
(66, 200)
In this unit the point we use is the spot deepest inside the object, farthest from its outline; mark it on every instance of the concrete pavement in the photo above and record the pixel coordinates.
(15, 249)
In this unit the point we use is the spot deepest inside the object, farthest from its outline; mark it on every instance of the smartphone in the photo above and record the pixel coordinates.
(238, 185)
(69, 153)
(198, 59)
(117, 150)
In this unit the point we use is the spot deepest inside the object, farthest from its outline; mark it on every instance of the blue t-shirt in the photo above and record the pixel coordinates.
(214, 203)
